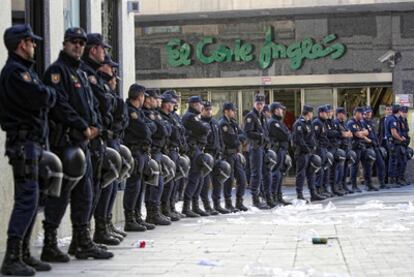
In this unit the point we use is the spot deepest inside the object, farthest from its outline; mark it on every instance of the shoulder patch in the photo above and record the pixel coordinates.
(277, 125)
(225, 129)
(395, 123)
(134, 115)
(152, 116)
(55, 78)
(92, 79)
(299, 128)
(249, 119)
(316, 127)
(26, 77)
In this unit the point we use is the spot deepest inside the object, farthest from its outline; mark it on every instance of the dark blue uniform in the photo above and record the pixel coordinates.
(395, 147)
(138, 138)
(379, 160)
(405, 129)
(303, 139)
(359, 146)
(75, 110)
(232, 137)
(322, 144)
(197, 132)
(280, 137)
(334, 136)
(256, 131)
(24, 103)
(344, 143)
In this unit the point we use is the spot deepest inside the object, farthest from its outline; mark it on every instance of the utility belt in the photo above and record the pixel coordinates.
(139, 147)
(229, 152)
(22, 136)
(391, 140)
(358, 145)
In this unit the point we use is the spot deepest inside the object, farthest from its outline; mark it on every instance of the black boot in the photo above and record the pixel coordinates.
(219, 208)
(336, 191)
(280, 200)
(316, 196)
(87, 249)
(240, 205)
(269, 201)
(208, 208)
(174, 210)
(399, 182)
(371, 187)
(229, 206)
(187, 210)
(113, 228)
(73, 244)
(50, 252)
(384, 186)
(347, 189)
(355, 188)
(165, 210)
(101, 234)
(32, 261)
(140, 221)
(12, 262)
(154, 216)
(258, 204)
(196, 208)
(131, 225)
(300, 196)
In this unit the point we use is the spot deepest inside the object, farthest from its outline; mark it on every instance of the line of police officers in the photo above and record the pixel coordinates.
(71, 137)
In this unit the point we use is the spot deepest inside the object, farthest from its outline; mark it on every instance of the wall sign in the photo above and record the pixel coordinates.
(207, 51)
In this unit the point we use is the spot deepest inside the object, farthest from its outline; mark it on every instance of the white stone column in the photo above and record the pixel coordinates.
(54, 29)
(6, 180)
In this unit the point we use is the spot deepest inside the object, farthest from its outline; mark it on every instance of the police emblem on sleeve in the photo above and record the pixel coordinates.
(225, 129)
(92, 79)
(395, 123)
(55, 78)
(134, 115)
(152, 116)
(277, 125)
(26, 77)
(299, 128)
(249, 119)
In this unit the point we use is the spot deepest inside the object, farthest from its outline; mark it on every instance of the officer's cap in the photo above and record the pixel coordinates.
(135, 90)
(322, 109)
(153, 93)
(276, 105)
(74, 33)
(340, 110)
(266, 108)
(328, 107)
(97, 39)
(168, 98)
(368, 109)
(195, 99)
(404, 109)
(172, 92)
(19, 32)
(396, 108)
(229, 106)
(359, 110)
(307, 109)
(259, 98)
(207, 104)
(108, 60)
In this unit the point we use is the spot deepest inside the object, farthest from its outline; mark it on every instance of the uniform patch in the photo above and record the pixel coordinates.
(299, 128)
(152, 116)
(134, 115)
(355, 126)
(197, 118)
(26, 77)
(55, 78)
(316, 127)
(92, 79)
(277, 125)
(249, 119)
(395, 123)
(225, 129)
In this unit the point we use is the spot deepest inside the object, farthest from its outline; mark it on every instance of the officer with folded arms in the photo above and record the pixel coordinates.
(396, 140)
(24, 103)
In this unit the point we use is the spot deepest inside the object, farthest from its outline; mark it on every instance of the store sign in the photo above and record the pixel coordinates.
(404, 100)
(180, 53)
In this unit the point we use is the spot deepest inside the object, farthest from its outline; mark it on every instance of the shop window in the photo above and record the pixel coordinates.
(350, 98)
(290, 98)
(71, 13)
(218, 97)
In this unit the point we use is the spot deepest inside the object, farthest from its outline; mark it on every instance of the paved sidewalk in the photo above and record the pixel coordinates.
(371, 234)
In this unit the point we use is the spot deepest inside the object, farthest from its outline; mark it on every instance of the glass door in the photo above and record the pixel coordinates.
(350, 98)
(218, 97)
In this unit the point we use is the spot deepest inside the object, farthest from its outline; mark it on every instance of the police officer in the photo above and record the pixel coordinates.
(360, 137)
(303, 138)
(395, 144)
(280, 137)
(405, 133)
(345, 143)
(75, 120)
(322, 142)
(196, 132)
(213, 147)
(382, 138)
(24, 102)
(183, 149)
(93, 58)
(171, 149)
(374, 144)
(138, 138)
(103, 213)
(256, 131)
(232, 137)
(159, 140)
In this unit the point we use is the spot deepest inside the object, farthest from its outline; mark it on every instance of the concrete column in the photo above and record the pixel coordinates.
(94, 20)
(6, 180)
(126, 46)
(54, 29)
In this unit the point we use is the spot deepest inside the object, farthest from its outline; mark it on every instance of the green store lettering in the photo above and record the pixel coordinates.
(207, 51)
